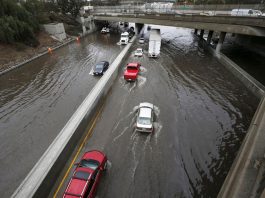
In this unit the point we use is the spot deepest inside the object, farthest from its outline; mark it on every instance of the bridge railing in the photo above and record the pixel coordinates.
(206, 10)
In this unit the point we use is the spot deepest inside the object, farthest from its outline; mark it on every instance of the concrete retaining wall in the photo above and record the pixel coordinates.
(252, 84)
(56, 30)
(40, 179)
(245, 174)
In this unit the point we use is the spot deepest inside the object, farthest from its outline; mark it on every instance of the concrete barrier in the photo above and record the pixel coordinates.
(35, 57)
(40, 179)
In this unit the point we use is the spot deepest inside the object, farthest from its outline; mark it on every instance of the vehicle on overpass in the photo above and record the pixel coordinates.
(124, 38)
(246, 12)
(145, 117)
(86, 175)
(132, 71)
(139, 52)
(100, 68)
(154, 43)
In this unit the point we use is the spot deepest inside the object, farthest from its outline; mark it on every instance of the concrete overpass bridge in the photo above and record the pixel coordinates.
(253, 26)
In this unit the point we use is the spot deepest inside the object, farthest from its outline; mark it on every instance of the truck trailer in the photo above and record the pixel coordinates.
(154, 43)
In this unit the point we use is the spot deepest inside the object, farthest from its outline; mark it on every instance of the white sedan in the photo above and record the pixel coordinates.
(138, 52)
(141, 40)
(145, 117)
(105, 30)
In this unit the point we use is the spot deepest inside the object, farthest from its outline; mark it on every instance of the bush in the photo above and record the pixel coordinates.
(17, 24)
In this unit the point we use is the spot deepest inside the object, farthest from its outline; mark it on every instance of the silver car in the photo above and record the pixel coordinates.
(141, 40)
(145, 117)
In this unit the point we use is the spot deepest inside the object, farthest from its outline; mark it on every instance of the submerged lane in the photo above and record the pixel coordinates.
(202, 115)
(37, 100)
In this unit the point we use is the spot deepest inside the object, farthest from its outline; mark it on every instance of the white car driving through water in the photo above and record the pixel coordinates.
(145, 118)
(138, 52)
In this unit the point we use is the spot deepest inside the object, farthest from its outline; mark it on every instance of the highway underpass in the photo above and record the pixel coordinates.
(203, 113)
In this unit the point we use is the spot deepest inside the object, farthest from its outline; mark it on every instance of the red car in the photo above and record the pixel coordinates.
(131, 72)
(86, 175)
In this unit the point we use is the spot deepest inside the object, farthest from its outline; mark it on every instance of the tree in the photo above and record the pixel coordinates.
(71, 6)
(17, 24)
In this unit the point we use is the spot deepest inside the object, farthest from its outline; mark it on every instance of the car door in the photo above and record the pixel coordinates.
(105, 66)
(95, 179)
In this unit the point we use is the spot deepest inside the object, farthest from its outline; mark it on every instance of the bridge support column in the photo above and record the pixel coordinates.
(196, 31)
(201, 34)
(209, 38)
(220, 42)
(138, 27)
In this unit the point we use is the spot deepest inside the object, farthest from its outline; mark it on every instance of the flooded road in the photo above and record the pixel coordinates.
(37, 100)
(202, 115)
(248, 53)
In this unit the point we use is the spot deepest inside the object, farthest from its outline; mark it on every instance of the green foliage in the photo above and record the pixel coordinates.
(70, 6)
(17, 24)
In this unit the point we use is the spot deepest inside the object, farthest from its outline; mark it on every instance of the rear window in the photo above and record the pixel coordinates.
(144, 120)
(82, 175)
(131, 68)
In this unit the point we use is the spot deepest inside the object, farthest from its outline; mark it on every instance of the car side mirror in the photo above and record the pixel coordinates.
(101, 168)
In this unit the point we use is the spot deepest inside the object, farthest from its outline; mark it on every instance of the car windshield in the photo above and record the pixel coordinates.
(82, 175)
(99, 66)
(144, 120)
(93, 164)
(124, 36)
(141, 39)
(139, 51)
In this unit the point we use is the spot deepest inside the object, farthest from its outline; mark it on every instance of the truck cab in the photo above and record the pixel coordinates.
(131, 72)
(124, 38)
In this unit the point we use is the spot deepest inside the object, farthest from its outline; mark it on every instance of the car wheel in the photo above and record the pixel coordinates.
(106, 166)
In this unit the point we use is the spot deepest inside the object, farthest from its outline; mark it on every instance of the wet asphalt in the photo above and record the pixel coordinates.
(37, 100)
(202, 115)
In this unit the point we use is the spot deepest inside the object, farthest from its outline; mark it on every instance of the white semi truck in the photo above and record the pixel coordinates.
(124, 38)
(154, 43)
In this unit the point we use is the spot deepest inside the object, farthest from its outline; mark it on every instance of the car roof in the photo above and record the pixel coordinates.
(139, 49)
(145, 112)
(76, 185)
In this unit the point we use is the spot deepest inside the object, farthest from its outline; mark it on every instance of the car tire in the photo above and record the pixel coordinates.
(105, 166)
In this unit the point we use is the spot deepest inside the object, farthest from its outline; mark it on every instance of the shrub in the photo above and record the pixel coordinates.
(17, 24)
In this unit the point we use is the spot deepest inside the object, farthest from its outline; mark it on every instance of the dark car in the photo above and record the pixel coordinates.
(100, 68)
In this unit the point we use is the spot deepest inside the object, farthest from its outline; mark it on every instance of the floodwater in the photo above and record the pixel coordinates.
(37, 100)
(202, 116)
(249, 53)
